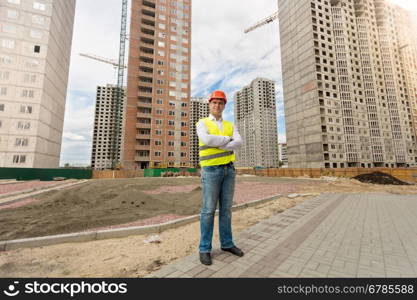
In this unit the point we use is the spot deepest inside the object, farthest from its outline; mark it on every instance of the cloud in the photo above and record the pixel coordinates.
(222, 57)
(73, 137)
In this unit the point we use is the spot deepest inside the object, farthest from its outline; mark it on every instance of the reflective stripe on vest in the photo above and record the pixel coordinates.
(212, 156)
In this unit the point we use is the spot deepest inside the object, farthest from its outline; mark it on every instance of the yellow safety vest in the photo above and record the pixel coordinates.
(210, 156)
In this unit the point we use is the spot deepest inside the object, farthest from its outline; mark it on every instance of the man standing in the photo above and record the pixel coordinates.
(217, 140)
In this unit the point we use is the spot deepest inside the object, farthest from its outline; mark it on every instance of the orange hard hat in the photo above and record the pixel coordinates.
(218, 95)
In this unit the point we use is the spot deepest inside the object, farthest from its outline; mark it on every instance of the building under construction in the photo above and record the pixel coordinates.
(349, 78)
(104, 127)
(158, 85)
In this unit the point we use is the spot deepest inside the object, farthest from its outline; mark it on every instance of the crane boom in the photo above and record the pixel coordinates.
(102, 59)
(262, 22)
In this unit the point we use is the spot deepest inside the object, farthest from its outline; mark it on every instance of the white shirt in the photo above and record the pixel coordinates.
(218, 141)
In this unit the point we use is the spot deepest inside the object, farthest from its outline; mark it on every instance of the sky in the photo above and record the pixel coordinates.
(222, 55)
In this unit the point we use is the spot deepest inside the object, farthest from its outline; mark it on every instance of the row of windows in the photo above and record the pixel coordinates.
(24, 94)
(36, 4)
(170, 154)
(23, 108)
(21, 125)
(169, 143)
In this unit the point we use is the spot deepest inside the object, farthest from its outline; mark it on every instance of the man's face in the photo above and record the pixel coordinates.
(216, 106)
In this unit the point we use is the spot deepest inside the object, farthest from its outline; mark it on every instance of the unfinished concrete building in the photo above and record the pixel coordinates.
(349, 83)
(35, 48)
(198, 110)
(104, 129)
(256, 120)
(158, 85)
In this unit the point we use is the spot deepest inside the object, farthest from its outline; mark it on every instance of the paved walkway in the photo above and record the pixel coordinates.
(333, 235)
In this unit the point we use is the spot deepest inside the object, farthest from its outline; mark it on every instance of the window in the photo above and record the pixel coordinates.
(38, 19)
(5, 59)
(183, 154)
(158, 143)
(19, 159)
(26, 109)
(157, 153)
(170, 132)
(36, 34)
(32, 63)
(170, 153)
(171, 123)
(159, 91)
(171, 113)
(28, 93)
(1, 107)
(161, 52)
(161, 26)
(39, 6)
(171, 143)
(4, 75)
(183, 134)
(12, 14)
(162, 35)
(162, 17)
(158, 132)
(23, 125)
(9, 28)
(7, 43)
(37, 49)
(21, 142)
(14, 1)
(3, 91)
(29, 78)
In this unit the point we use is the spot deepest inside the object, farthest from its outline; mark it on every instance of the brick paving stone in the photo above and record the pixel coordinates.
(332, 235)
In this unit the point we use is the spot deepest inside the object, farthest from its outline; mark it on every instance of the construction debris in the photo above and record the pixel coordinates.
(379, 178)
(156, 239)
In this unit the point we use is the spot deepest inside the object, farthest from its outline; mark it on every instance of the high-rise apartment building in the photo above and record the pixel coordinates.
(158, 87)
(256, 119)
(282, 150)
(35, 47)
(198, 110)
(349, 83)
(105, 146)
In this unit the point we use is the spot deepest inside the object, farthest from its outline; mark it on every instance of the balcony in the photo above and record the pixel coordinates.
(148, 41)
(143, 115)
(142, 147)
(145, 64)
(143, 136)
(145, 79)
(143, 125)
(148, 20)
(148, 13)
(142, 158)
(148, 4)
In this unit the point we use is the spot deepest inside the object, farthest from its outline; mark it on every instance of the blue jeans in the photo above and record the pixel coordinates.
(218, 186)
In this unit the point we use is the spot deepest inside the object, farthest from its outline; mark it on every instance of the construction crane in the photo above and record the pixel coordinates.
(120, 65)
(262, 22)
(103, 59)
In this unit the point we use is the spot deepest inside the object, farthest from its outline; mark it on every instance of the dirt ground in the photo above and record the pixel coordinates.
(131, 256)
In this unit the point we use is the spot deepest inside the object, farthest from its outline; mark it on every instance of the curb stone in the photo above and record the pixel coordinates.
(113, 233)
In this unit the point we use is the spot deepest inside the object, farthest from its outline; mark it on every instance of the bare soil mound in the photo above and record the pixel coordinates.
(379, 178)
(97, 204)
